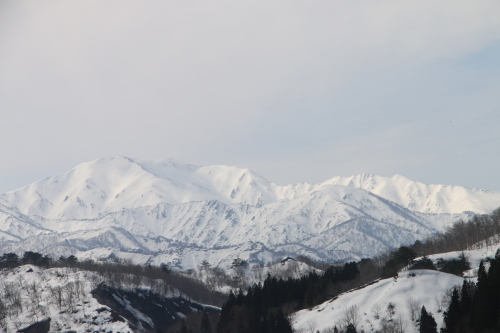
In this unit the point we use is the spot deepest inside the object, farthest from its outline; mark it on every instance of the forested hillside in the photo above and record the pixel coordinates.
(262, 303)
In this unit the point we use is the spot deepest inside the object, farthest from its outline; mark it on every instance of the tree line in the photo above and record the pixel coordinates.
(265, 307)
(125, 274)
(260, 309)
(478, 231)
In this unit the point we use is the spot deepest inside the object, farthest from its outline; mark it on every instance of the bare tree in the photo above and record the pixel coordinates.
(257, 272)
(35, 296)
(400, 325)
(439, 303)
(69, 295)
(56, 294)
(390, 310)
(387, 326)
(12, 294)
(311, 325)
(376, 308)
(34, 293)
(413, 308)
(79, 288)
(350, 316)
(3, 313)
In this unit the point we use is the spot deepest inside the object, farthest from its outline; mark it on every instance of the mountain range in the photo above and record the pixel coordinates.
(181, 214)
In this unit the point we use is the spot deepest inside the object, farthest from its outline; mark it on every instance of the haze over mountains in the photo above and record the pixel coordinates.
(167, 211)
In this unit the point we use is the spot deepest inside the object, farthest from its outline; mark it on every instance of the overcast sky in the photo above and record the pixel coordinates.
(294, 90)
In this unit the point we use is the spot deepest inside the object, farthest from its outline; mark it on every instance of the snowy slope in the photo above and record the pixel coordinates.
(38, 292)
(423, 288)
(424, 198)
(79, 301)
(108, 185)
(111, 184)
(174, 211)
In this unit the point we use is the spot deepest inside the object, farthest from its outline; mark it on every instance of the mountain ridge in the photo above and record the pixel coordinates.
(222, 206)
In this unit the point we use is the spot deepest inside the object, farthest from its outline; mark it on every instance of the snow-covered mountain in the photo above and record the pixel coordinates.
(424, 198)
(168, 211)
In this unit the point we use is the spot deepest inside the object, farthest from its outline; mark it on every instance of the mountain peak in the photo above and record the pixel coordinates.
(151, 205)
(110, 184)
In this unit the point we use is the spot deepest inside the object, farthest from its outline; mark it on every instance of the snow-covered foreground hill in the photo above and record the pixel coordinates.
(166, 211)
(77, 301)
(407, 293)
(385, 300)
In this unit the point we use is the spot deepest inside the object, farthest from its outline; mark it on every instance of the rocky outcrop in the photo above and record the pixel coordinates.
(144, 309)
(42, 326)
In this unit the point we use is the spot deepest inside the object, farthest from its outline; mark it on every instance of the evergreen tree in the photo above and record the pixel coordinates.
(351, 329)
(427, 322)
(282, 325)
(452, 315)
(335, 329)
(9, 260)
(71, 260)
(205, 324)
(400, 258)
(466, 296)
(184, 328)
(33, 258)
(493, 292)
(480, 310)
(264, 325)
(225, 314)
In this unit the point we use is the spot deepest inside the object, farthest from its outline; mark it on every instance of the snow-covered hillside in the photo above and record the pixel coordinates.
(67, 300)
(407, 293)
(386, 300)
(166, 211)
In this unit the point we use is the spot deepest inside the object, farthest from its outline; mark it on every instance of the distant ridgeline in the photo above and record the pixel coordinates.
(182, 214)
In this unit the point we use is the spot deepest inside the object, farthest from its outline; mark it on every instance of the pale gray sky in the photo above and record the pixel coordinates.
(294, 90)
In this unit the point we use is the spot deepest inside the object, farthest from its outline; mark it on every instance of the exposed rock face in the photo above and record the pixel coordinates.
(42, 326)
(146, 310)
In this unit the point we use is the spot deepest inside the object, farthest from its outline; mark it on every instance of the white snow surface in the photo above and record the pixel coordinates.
(424, 198)
(181, 212)
(78, 314)
(424, 287)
